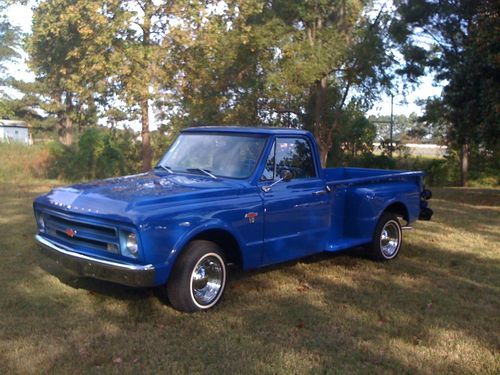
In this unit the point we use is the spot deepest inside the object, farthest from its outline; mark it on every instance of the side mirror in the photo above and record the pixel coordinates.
(286, 175)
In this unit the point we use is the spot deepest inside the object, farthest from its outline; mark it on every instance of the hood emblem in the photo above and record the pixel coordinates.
(70, 232)
(251, 217)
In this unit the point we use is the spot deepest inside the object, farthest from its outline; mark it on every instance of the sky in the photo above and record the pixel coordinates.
(403, 105)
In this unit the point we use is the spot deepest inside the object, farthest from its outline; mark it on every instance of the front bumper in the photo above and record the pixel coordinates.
(83, 265)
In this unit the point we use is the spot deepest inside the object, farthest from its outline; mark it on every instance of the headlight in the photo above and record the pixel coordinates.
(131, 244)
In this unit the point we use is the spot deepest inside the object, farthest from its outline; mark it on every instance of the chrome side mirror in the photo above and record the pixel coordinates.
(285, 176)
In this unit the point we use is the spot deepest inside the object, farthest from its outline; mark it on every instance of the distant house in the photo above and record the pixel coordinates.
(14, 131)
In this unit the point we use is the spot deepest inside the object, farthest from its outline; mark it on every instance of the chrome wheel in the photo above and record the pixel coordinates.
(207, 280)
(390, 239)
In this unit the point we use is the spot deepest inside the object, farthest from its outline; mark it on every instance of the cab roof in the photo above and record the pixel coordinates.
(245, 130)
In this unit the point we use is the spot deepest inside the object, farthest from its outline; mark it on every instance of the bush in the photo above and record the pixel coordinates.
(99, 153)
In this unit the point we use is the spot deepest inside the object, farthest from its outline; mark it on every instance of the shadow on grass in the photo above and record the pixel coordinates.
(355, 316)
(351, 323)
(472, 196)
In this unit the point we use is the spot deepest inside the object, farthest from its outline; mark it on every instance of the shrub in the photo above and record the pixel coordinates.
(99, 153)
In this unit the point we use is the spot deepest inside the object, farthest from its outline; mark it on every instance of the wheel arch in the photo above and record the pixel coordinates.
(397, 208)
(226, 241)
(216, 232)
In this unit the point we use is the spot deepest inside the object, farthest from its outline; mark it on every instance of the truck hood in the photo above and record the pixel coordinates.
(115, 197)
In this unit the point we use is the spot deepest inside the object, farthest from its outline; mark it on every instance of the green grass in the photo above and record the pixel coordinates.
(433, 310)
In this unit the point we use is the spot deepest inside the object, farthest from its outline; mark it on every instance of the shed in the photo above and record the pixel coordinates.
(14, 131)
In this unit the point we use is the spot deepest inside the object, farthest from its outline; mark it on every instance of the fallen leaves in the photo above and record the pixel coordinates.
(304, 287)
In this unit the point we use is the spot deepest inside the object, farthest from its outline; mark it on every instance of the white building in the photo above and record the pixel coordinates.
(14, 131)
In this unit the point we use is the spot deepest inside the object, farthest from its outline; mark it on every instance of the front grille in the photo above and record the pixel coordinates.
(81, 233)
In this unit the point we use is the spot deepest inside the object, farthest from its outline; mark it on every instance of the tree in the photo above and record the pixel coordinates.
(357, 133)
(143, 51)
(284, 62)
(332, 52)
(406, 129)
(453, 38)
(220, 61)
(94, 55)
(10, 38)
(72, 52)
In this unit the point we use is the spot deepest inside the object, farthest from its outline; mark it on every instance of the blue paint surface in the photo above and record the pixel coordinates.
(335, 210)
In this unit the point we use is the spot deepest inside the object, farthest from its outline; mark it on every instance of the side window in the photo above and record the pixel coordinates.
(295, 155)
(268, 173)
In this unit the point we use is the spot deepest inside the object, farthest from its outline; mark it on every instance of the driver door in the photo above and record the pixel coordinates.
(297, 212)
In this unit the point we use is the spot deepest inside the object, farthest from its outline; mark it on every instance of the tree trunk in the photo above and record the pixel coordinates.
(146, 43)
(323, 155)
(464, 163)
(320, 122)
(146, 140)
(66, 123)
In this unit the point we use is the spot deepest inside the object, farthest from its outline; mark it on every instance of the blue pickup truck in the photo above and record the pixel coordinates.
(225, 195)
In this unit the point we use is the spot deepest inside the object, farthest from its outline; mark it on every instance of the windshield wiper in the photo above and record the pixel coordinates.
(168, 169)
(204, 171)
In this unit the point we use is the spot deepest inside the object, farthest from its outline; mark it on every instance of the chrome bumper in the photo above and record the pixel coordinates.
(83, 265)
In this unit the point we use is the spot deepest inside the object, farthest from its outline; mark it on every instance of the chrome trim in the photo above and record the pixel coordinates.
(208, 280)
(319, 192)
(390, 239)
(407, 227)
(83, 265)
(267, 188)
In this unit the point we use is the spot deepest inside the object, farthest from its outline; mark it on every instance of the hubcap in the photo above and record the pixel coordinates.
(207, 279)
(389, 240)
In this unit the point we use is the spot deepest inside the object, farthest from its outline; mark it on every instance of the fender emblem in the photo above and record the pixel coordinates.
(70, 232)
(251, 217)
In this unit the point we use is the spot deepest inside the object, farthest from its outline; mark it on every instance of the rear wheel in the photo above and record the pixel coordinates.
(199, 277)
(387, 238)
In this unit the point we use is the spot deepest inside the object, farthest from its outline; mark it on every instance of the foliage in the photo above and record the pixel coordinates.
(101, 153)
(465, 56)
(97, 154)
(316, 65)
(10, 38)
(102, 54)
(355, 137)
(407, 129)
(75, 51)
(283, 63)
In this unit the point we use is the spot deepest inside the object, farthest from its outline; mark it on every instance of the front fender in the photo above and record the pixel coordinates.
(189, 235)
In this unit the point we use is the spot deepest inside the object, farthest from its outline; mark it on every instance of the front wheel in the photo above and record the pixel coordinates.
(198, 278)
(387, 238)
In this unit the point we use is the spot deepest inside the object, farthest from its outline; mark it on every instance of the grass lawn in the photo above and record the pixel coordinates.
(434, 310)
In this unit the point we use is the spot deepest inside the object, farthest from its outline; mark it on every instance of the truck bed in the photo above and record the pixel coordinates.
(359, 195)
(356, 176)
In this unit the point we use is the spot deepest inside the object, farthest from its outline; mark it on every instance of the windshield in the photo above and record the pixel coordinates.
(221, 155)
